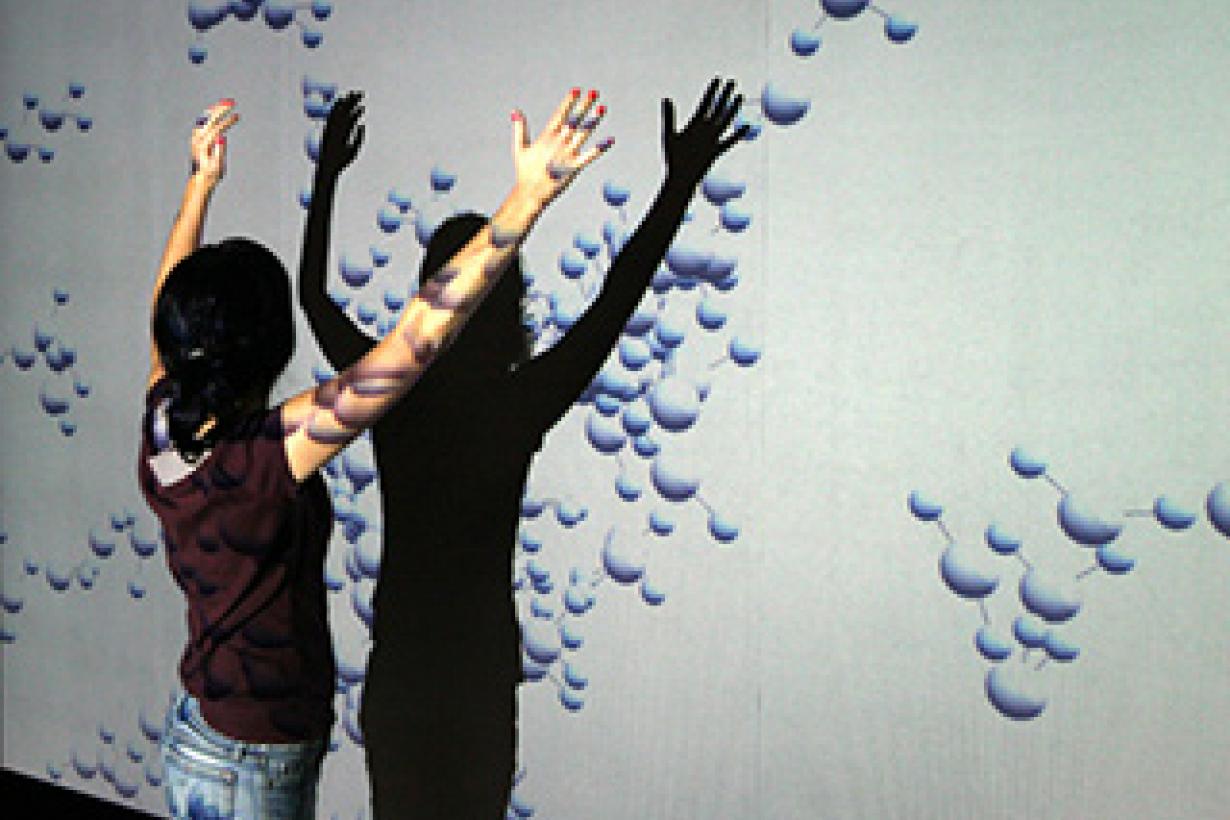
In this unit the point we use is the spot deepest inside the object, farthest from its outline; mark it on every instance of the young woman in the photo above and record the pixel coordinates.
(235, 485)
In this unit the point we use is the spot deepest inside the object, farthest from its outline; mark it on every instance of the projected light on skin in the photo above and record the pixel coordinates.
(276, 15)
(42, 123)
(1049, 599)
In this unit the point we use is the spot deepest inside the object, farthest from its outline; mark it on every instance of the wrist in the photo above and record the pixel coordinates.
(521, 207)
(200, 184)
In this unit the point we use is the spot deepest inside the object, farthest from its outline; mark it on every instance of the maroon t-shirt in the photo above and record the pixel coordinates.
(246, 544)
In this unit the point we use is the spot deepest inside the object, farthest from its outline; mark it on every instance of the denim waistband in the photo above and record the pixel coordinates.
(186, 714)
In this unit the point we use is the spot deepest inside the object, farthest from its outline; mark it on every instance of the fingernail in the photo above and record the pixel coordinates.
(226, 101)
(601, 110)
(222, 140)
(606, 144)
(593, 95)
(516, 115)
(576, 92)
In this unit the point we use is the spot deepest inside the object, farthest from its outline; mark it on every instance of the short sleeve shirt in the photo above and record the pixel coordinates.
(246, 544)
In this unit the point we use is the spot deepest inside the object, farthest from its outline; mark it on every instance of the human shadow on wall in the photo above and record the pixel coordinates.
(438, 713)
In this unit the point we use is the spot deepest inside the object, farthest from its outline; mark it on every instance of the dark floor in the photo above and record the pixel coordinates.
(38, 798)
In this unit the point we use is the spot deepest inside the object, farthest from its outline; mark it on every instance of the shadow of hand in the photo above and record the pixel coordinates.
(343, 135)
(691, 151)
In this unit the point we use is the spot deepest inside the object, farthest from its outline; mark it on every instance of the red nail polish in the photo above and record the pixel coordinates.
(601, 110)
(516, 115)
(227, 101)
(576, 92)
(221, 140)
(593, 95)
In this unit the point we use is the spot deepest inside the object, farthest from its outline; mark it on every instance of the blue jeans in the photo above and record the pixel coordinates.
(210, 776)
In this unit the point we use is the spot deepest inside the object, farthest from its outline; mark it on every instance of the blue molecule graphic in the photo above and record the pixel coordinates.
(1048, 597)
(719, 190)
(1000, 541)
(993, 644)
(541, 641)
(743, 352)
(277, 15)
(674, 477)
(674, 403)
(733, 218)
(1059, 648)
(605, 433)
(709, 315)
(661, 522)
(844, 9)
(923, 508)
(1014, 692)
(781, 108)
(1084, 525)
(651, 593)
(1026, 465)
(442, 181)
(1030, 632)
(627, 488)
(1114, 560)
(623, 556)
(722, 529)
(1217, 507)
(968, 572)
(899, 30)
(1171, 516)
(804, 43)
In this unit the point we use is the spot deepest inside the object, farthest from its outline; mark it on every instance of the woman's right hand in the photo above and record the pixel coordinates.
(546, 166)
(208, 143)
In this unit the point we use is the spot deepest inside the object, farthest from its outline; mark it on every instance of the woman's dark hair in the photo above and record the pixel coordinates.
(496, 331)
(224, 330)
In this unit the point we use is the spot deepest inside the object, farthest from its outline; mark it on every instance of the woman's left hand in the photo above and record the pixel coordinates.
(547, 165)
(209, 142)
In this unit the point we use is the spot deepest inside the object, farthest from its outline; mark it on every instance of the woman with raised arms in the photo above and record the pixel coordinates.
(235, 483)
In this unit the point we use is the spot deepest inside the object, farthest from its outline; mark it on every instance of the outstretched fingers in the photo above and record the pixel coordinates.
(546, 164)
(561, 112)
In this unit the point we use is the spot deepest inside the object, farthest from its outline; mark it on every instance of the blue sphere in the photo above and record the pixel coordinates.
(844, 9)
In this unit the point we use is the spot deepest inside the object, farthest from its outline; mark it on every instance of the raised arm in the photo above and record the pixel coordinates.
(340, 341)
(550, 383)
(319, 422)
(208, 147)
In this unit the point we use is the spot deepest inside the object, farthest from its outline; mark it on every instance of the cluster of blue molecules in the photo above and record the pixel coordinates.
(805, 42)
(204, 15)
(46, 355)
(41, 120)
(127, 763)
(783, 108)
(1018, 652)
(101, 549)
